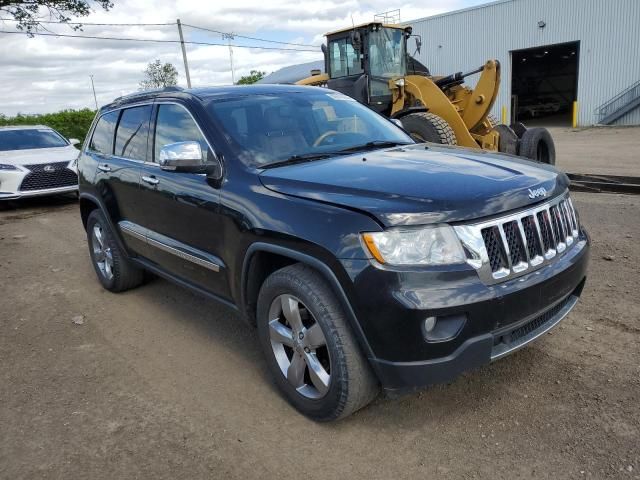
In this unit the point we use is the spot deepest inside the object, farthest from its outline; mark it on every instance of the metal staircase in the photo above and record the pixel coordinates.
(622, 103)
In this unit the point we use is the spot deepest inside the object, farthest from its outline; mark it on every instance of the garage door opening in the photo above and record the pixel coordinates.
(544, 84)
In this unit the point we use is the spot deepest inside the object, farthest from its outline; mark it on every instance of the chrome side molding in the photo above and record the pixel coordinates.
(169, 245)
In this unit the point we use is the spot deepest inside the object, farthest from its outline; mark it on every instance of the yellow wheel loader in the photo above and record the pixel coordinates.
(370, 63)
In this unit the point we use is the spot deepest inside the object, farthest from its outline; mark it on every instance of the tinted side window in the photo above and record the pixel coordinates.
(102, 139)
(174, 124)
(132, 133)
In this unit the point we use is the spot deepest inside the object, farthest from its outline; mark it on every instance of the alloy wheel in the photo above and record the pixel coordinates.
(102, 254)
(299, 347)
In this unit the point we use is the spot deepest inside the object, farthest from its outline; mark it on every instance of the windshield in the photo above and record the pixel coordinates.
(386, 53)
(30, 138)
(272, 128)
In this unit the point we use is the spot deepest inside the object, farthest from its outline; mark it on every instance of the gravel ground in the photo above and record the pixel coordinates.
(160, 383)
(602, 150)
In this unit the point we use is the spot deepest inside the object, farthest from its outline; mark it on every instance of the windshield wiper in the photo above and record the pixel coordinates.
(305, 157)
(373, 144)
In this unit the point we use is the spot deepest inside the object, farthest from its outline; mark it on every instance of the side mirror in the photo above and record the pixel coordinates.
(182, 157)
(74, 141)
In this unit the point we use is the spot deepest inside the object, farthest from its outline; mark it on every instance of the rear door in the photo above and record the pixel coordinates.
(181, 215)
(117, 148)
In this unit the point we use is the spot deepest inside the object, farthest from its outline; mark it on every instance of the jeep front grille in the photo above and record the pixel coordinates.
(516, 244)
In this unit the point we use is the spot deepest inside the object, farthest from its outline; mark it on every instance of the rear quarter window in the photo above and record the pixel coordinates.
(102, 139)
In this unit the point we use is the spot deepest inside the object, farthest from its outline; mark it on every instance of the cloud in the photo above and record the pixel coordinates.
(45, 74)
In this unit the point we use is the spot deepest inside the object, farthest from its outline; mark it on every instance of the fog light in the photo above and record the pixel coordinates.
(443, 328)
(429, 323)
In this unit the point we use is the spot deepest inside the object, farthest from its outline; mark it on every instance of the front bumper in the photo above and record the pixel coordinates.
(499, 318)
(37, 193)
(401, 377)
(12, 184)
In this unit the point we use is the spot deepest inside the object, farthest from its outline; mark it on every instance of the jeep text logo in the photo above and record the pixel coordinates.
(538, 192)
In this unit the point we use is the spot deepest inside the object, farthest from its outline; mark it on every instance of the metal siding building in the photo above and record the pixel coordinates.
(608, 32)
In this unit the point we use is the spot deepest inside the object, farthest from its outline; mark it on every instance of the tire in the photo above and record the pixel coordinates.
(115, 271)
(519, 128)
(429, 127)
(537, 144)
(346, 383)
(508, 141)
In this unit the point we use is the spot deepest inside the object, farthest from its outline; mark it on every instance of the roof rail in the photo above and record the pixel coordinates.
(147, 92)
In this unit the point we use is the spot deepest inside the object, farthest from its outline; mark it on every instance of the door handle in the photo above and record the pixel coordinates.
(104, 168)
(151, 180)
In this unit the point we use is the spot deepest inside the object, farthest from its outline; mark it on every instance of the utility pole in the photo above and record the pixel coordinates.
(95, 99)
(184, 54)
(229, 37)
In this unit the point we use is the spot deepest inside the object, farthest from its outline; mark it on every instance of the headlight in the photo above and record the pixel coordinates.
(436, 245)
(4, 166)
(73, 163)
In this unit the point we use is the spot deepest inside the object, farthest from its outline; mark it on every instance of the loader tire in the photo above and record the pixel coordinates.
(508, 142)
(429, 127)
(519, 128)
(537, 144)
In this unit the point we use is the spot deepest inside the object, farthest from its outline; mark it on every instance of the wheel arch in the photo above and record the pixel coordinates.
(89, 203)
(282, 256)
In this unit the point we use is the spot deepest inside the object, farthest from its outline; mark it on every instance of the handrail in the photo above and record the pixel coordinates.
(622, 99)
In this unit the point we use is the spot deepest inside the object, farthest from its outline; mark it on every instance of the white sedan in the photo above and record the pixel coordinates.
(36, 160)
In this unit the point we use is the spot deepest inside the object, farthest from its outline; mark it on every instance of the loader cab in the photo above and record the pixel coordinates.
(362, 60)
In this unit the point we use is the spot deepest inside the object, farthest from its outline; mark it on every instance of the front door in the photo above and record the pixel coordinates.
(180, 211)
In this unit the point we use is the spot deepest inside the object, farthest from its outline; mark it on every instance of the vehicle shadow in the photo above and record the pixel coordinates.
(224, 328)
(38, 203)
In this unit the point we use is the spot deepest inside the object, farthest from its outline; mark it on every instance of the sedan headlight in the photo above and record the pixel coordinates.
(433, 245)
(4, 166)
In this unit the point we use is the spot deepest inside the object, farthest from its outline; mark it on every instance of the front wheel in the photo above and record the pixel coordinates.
(310, 350)
(429, 127)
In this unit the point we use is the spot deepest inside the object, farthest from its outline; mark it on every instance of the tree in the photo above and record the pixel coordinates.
(28, 12)
(253, 77)
(158, 75)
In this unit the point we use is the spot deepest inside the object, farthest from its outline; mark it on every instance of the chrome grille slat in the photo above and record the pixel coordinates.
(519, 243)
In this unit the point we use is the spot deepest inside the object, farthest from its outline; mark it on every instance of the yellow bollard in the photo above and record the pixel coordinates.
(504, 115)
(574, 119)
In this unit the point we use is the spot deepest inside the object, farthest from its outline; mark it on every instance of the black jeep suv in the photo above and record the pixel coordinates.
(364, 259)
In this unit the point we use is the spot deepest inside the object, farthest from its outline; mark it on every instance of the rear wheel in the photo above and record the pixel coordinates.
(537, 144)
(311, 351)
(114, 270)
(429, 127)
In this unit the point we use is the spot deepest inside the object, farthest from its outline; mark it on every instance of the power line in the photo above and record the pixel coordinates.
(123, 39)
(250, 38)
(97, 24)
(257, 39)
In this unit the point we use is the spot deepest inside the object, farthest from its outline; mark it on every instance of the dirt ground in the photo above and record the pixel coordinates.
(160, 383)
(603, 150)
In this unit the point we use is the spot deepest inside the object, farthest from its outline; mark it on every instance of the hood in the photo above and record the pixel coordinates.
(418, 184)
(39, 155)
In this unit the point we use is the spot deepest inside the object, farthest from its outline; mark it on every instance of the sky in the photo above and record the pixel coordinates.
(48, 74)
